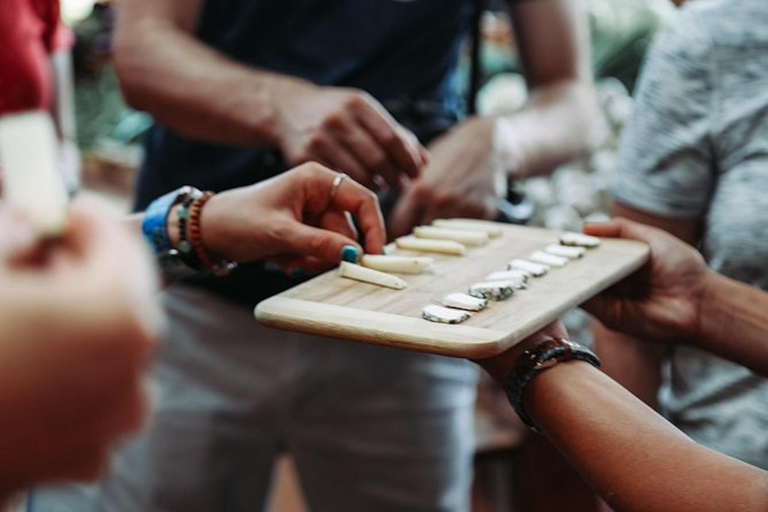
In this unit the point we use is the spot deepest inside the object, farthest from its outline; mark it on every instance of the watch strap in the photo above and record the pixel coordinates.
(538, 359)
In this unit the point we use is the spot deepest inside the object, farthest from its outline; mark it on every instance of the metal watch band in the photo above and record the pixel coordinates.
(538, 359)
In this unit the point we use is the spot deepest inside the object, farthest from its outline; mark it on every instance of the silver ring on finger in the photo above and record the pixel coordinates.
(337, 181)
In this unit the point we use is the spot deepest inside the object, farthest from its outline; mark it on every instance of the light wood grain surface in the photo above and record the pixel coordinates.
(332, 306)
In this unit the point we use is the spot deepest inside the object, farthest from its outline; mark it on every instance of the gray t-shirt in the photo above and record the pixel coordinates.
(697, 148)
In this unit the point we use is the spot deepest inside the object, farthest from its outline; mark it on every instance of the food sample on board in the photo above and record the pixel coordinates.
(471, 238)
(534, 269)
(492, 290)
(443, 315)
(32, 181)
(397, 264)
(411, 243)
(491, 228)
(368, 275)
(518, 277)
(548, 259)
(572, 253)
(579, 240)
(464, 301)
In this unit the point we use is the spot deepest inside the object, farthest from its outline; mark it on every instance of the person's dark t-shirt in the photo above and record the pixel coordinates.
(399, 51)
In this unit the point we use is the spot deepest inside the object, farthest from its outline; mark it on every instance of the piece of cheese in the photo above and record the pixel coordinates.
(411, 243)
(368, 275)
(442, 315)
(471, 238)
(32, 182)
(518, 277)
(534, 269)
(492, 290)
(572, 253)
(464, 301)
(579, 240)
(397, 264)
(548, 259)
(491, 228)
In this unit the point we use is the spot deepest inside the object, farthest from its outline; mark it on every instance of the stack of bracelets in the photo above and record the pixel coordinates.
(191, 257)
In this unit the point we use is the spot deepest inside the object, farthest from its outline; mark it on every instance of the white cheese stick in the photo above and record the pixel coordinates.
(397, 264)
(464, 301)
(32, 181)
(441, 315)
(410, 243)
(492, 290)
(518, 277)
(491, 228)
(579, 240)
(367, 275)
(548, 259)
(572, 253)
(535, 269)
(472, 238)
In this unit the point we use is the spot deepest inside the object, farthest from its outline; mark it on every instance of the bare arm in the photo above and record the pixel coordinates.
(186, 84)
(633, 458)
(198, 91)
(554, 47)
(471, 164)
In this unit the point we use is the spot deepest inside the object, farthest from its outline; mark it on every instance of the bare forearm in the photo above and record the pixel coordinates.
(634, 458)
(191, 87)
(551, 130)
(734, 323)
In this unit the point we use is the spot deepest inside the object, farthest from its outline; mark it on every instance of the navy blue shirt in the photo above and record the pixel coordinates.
(399, 51)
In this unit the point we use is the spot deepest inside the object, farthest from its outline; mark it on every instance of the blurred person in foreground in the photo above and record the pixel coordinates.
(694, 161)
(243, 90)
(634, 458)
(71, 385)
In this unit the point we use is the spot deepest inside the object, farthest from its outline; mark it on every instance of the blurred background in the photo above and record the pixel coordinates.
(109, 136)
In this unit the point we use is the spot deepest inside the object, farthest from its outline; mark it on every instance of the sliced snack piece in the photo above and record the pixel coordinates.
(535, 269)
(411, 243)
(368, 275)
(464, 301)
(493, 229)
(572, 253)
(31, 178)
(518, 277)
(441, 315)
(472, 238)
(397, 264)
(493, 290)
(549, 259)
(579, 240)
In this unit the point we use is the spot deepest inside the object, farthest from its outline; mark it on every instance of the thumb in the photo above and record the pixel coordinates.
(320, 243)
(605, 308)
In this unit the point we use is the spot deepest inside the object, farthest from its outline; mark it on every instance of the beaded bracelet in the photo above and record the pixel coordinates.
(185, 247)
(220, 268)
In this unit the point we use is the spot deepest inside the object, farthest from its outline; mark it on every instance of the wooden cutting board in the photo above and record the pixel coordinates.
(329, 305)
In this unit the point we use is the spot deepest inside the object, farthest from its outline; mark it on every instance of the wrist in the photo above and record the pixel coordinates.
(282, 93)
(508, 148)
(712, 320)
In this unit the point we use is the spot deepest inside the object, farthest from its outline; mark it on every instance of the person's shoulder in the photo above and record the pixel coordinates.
(688, 36)
(726, 22)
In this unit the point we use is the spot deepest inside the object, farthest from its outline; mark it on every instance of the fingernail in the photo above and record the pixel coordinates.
(273, 267)
(350, 253)
(297, 273)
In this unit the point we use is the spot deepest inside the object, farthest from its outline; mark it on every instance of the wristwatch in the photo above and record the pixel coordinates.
(538, 359)
(155, 228)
